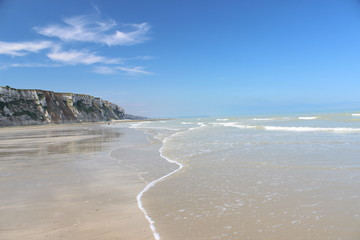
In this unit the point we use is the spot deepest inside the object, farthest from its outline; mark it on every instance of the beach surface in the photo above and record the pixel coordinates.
(76, 181)
(272, 178)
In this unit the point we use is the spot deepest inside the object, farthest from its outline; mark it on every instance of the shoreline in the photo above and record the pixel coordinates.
(161, 178)
(153, 184)
(84, 123)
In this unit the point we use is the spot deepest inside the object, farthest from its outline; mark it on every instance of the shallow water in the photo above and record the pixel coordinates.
(279, 177)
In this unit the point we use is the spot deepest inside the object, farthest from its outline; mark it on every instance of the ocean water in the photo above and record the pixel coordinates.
(278, 177)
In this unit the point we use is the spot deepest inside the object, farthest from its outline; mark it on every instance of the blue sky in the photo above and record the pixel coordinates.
(173, 58)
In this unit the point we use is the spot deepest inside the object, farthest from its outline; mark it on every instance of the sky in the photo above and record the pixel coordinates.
(164, 58)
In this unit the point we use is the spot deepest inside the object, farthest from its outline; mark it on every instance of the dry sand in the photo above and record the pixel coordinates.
(77, 181)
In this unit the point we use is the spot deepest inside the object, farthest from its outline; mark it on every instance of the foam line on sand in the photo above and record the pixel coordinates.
(152, 184)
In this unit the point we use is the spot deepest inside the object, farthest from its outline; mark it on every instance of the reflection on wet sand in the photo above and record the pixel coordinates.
(61, 182)
(55, 141)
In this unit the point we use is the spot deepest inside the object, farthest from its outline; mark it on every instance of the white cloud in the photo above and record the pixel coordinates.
(129, 38)
(24, 65)
(104, 70)
(34, 65)
(23, 48)
(86, 28)
(134, 70)
(79, 31)
(144, 58)
(96, 8)
(74, 57)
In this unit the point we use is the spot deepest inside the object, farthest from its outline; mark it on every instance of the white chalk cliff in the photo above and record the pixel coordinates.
(31, 107)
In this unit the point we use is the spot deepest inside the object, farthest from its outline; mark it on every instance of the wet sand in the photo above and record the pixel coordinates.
(75, 181)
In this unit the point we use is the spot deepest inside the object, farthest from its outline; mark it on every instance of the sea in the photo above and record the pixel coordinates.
(283, 177)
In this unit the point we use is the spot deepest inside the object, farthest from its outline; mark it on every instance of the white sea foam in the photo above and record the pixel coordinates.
(222, 119)
(307, 118)
(187, 123)
(153, 183)
(263, 119)
(291, 129)
(355, 114)
(136, 125)
(234, 124)
(140, 125)
(200, 125)
(223, 124)
(312, 129)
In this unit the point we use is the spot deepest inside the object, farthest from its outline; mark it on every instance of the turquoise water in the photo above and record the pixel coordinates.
(278, 177)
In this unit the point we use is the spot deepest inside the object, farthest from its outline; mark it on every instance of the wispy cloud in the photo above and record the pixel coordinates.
(34, 65)
(104, 70)
(75, 36)
(138, 35)
(74, 57)
(29, 65)
(89, 28)
(96, 8)
(144, 58)
(134, 70)
(23, 48)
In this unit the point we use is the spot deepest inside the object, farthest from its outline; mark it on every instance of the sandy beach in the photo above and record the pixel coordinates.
(75, 181)
(83, 181)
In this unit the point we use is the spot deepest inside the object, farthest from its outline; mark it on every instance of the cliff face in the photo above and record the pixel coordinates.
(30, 107)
